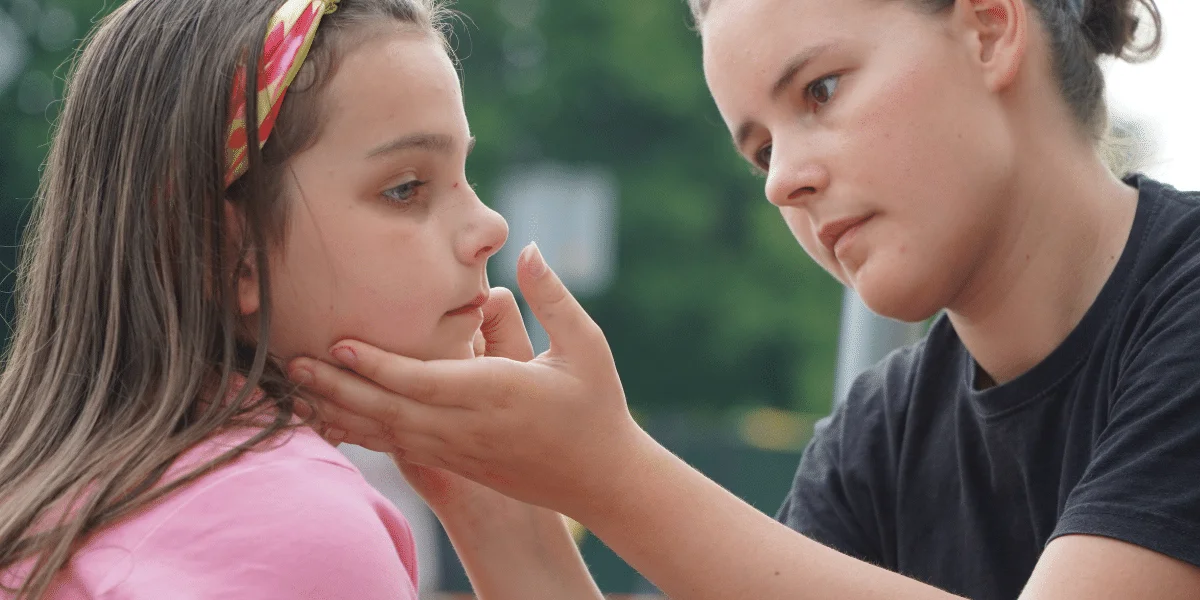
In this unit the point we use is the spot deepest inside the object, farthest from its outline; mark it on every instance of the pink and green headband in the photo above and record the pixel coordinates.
(290, 34)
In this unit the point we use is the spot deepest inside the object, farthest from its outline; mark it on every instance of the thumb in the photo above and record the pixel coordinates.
(570, 328)
(503, 329)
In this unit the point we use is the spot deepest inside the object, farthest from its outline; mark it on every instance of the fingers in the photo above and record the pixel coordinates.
(399, 374)
(503, 329)
(570, 328)
(466, 384)
(340, 425)
(305, 408)
(364, 410)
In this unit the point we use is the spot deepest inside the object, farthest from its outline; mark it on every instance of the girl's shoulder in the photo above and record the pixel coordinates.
(289, 518)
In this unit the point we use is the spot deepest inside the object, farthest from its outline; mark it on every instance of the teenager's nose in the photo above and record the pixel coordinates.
(795, 176)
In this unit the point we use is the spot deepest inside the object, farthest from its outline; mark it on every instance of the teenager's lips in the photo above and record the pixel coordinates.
(472, 306)
(833, 232)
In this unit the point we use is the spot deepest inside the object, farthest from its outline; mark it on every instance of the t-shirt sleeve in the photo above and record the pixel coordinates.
(840, 494)
(291, 530)
(1141, 483)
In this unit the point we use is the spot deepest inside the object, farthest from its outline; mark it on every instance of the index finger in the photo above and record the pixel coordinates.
(434, 382)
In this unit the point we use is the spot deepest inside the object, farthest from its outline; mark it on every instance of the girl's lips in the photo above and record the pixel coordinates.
(472, 306)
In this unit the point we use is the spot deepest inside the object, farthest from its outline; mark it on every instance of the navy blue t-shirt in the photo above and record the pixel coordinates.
(921, 473)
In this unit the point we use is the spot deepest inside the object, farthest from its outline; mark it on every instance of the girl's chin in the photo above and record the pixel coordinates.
(457, 350)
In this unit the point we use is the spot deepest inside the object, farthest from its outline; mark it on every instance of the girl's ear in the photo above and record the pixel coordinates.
(999, 34)
(249, 297)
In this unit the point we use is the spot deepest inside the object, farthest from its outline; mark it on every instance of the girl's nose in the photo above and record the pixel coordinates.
(484, 234)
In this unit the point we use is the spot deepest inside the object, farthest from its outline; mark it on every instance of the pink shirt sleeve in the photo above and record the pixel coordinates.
(291, 529)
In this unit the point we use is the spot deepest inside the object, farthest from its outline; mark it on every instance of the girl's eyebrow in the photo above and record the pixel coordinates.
(433, 142)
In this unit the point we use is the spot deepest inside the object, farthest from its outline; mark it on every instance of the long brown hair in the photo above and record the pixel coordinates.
(127, 339)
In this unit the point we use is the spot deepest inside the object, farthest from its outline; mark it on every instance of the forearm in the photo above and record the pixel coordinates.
(519, 553)
(696, 541)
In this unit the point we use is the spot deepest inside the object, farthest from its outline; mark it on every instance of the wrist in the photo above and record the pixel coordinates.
(487, 517)
(627, 474)
(523, 551)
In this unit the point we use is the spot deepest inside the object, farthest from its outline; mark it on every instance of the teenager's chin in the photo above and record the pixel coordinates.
(896, 294)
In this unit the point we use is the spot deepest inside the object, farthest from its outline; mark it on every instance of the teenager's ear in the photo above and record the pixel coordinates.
(998, 31)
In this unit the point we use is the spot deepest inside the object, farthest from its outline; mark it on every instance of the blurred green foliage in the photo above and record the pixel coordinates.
(714, 307)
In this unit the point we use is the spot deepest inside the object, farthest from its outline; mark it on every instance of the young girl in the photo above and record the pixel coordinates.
(1041, 441)
(148, 441)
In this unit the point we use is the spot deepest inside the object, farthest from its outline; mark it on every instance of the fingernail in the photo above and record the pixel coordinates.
(537, 264)
(345, 355)
(335, 435)
(301, 376)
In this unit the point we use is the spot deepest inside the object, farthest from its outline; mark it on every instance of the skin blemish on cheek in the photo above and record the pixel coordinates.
(456, 185)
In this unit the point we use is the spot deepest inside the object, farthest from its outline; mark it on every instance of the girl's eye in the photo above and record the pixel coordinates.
(821, 91)
(763, 157)
(404, 193)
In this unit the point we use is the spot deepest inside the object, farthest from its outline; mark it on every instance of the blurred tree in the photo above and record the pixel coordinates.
(36, 39)
(714, 305)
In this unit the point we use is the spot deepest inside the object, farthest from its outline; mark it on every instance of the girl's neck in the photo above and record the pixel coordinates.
(1070, 222)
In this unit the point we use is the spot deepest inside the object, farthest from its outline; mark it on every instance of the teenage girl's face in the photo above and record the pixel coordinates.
(882, 146)
(386, 241)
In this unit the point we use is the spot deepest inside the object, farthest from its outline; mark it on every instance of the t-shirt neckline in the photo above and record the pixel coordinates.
(1063, 361)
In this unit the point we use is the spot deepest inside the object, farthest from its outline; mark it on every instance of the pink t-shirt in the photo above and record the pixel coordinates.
(292, 519)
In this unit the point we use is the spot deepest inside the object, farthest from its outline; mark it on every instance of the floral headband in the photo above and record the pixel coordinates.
(289, 36)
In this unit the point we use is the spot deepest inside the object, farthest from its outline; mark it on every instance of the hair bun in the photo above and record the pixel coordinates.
(1112, 27)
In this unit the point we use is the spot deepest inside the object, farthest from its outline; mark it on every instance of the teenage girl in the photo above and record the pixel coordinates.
(940, 157)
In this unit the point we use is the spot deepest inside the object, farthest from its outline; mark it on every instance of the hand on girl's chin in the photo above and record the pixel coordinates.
(436, 480)
(446, 493)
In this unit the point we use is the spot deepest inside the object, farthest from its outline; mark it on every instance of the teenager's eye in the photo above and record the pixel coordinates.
(821, 91)
(404, 193)
(762, 158)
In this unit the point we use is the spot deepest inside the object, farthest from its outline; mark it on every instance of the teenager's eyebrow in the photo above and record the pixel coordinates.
(785, 78)
(433, 142)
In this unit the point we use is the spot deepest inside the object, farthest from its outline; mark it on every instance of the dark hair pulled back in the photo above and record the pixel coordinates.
(1080, 32)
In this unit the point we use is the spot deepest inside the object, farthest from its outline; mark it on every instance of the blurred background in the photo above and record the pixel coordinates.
(597, 138)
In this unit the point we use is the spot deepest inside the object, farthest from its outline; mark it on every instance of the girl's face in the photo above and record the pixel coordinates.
(386, 242)
(884, 149)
